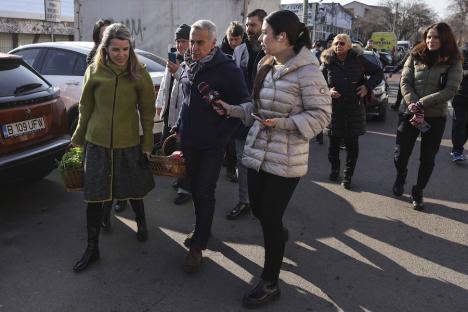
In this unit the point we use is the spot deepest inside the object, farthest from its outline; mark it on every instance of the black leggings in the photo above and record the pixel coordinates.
(269, 196)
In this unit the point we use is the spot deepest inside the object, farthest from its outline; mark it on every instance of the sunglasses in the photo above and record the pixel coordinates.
(339, 43)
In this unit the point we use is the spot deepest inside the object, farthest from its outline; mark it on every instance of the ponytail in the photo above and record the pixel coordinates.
(303, 39)
(264, 69)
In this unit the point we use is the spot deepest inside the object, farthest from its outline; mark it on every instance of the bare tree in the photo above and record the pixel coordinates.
(407, 17)
(458, 20)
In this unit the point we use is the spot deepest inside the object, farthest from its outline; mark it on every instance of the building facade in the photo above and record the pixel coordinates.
(30, 21)
(153, 23)
(323, 19)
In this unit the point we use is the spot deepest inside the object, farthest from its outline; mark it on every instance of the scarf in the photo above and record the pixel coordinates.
(193, 67)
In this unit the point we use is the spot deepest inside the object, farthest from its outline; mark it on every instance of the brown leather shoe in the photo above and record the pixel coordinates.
(192, 260)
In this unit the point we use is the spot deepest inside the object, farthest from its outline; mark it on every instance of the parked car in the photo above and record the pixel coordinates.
(64, 65)
(376, 102)
(33, 122)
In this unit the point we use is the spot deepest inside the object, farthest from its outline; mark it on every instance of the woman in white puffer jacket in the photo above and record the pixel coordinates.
(293, 103)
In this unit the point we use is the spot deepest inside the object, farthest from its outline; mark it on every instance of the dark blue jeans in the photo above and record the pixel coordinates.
(203, 166)
(460, 123)
(430, 142)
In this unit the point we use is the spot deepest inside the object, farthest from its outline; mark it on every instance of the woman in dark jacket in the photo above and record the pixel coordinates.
(345, 69)
(430, 78)
(98, 30)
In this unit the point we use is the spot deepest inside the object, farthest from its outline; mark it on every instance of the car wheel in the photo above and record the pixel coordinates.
(41, 172)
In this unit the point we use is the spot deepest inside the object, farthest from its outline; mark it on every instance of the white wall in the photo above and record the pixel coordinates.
(153, 22)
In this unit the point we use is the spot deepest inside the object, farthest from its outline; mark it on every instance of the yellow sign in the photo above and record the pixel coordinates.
(384, 41)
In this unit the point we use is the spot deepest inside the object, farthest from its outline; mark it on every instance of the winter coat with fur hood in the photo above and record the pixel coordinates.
(348, 111)
(297, 95)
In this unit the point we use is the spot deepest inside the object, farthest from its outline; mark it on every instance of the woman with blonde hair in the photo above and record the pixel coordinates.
(346, 71)
(117, 96)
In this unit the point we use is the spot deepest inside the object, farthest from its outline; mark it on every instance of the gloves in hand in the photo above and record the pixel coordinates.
(417, 119)
(416, 108)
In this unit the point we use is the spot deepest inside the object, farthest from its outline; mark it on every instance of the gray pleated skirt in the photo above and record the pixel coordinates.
(121, 173)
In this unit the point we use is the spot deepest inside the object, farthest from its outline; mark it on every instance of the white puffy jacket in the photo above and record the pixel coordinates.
(297, 94)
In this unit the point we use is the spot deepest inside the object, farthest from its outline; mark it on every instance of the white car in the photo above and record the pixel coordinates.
(63, 64)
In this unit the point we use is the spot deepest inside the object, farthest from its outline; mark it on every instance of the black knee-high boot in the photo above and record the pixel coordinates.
(106, 224)
(139, 209)
(93, 219)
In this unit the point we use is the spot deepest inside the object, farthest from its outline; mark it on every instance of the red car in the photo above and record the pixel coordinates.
(33, 122)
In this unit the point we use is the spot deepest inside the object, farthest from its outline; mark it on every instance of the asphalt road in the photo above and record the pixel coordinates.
(357, 250)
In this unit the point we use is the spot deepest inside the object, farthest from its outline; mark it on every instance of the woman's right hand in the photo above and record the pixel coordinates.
(334, 94)
(221, 107)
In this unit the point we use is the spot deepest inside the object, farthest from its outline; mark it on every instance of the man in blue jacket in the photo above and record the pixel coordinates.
(202, 131)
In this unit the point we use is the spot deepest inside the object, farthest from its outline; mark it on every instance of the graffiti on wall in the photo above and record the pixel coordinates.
(135, 28)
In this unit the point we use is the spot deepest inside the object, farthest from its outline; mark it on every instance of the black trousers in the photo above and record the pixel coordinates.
(230, 158)
(352, 153)
(460, 123)
(399, 97)
(269, 196)
(203, 167)
(430, 143)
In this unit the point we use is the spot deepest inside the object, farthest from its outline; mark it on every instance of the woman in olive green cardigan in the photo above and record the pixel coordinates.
(117, 96)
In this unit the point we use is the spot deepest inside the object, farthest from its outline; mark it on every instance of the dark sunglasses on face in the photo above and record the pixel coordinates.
(340, 43)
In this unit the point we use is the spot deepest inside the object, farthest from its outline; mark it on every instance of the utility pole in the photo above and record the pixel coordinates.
(305, 11)
(395, 17)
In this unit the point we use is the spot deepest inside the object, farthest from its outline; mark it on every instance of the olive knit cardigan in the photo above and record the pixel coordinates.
(112, 106)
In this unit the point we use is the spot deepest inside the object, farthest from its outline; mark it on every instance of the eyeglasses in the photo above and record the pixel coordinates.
(340, 43)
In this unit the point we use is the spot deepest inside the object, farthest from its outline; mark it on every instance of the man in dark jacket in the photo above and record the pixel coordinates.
(246, 56)
(460, 115)
(203, 132)
(234, 37)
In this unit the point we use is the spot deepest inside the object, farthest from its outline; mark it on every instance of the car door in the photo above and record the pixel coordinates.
(58, 68)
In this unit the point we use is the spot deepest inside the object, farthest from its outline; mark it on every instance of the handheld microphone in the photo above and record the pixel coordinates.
(209, 95)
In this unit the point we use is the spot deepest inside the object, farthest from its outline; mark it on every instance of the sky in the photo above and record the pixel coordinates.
(439, 6)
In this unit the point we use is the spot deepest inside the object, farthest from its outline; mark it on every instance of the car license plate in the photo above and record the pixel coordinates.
(23, 127)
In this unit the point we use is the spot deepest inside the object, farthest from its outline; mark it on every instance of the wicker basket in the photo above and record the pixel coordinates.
(165, 165)
(73, 179)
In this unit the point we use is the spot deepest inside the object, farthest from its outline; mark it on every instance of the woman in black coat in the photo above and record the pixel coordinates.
(345, 70)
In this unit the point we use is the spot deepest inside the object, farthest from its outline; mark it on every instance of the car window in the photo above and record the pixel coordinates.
(29, 55)
(14, 75)
(59, 62)
(151, 66)
(80, 66)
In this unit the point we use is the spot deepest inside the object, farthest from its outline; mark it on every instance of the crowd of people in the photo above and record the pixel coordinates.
(273, 93)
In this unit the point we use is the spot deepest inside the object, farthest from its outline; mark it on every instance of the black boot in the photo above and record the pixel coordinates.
(334, 175)
(94, 218)
(106, 224)
(417, 196)
(399, 185)
(262, 293)
(346, 183)
(139, 209)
